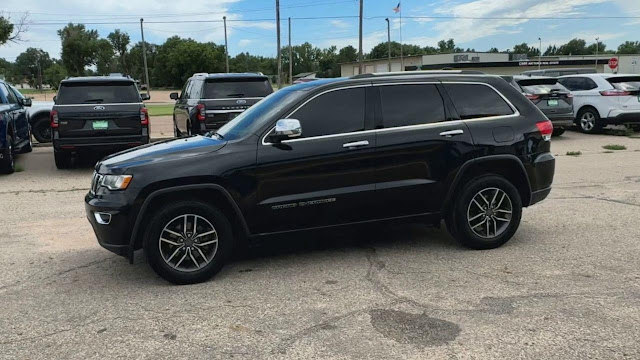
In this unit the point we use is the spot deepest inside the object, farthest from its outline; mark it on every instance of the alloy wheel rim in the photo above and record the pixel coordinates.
(588, 121)
(188, 242)
(489, 213)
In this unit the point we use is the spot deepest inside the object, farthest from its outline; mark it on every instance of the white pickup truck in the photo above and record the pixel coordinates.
(38, 115)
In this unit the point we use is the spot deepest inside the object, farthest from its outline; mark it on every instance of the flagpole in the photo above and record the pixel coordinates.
(401, 56)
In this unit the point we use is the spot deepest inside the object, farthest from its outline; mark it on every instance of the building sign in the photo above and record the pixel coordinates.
(535, 63)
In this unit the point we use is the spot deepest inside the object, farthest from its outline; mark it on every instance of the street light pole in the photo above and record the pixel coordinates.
(290, 56)
(226, 46)
(389, 42)
(144, 58)
(597, 45)
(279, 53)
(540, 54)
(360, 40)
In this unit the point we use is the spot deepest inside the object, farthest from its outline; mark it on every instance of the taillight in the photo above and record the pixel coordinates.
(614, 93)
(532, 96)
(144, 116)
(53, 116)
(545, 128)
(200, 112)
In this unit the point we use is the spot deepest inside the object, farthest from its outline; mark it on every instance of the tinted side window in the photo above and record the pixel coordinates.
(404, 105)
(335, 112)
(11, 97)
(183, 93)
(476, 100)
(5, 94)
(578, 83)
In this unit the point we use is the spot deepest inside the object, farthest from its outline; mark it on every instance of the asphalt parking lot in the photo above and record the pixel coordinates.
(566, 286)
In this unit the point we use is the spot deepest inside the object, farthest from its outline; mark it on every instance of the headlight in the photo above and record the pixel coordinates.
(115, 182)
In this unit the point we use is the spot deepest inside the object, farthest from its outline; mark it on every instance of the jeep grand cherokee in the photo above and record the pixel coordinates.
(469, 149)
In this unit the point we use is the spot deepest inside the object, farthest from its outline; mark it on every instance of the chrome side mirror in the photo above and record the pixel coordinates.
(286, 129)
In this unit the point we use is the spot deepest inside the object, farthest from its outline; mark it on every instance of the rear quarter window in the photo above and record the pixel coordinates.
(477, 101)
(115, 92)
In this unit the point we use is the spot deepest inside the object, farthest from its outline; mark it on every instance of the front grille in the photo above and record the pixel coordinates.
(95, 182)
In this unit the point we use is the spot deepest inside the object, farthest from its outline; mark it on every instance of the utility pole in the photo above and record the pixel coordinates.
(597, 40)
(279, 53)
(290, 56)
(144, 58)
(389, 43)
(540, 54)
(360, 41)
(226, 45)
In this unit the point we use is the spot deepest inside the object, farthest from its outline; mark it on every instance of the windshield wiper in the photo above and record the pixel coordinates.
(235, 95)
(94, 100)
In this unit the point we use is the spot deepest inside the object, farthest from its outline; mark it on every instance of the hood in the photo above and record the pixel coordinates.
(158, 152)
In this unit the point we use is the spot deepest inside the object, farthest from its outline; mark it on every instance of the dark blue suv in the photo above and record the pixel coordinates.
(15, 132)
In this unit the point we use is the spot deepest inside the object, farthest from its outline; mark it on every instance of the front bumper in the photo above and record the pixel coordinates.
(115, 234)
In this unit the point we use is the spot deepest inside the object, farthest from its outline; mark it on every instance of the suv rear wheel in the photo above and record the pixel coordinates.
(588, 120)
(7, 165)
(63, 159)
(42, 129)
(188, 242)
(486, 213)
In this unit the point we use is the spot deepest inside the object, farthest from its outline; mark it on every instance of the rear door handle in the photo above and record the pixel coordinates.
(355, 144)
(451, 133)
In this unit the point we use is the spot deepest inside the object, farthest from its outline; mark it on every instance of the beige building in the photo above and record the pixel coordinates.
(493, 63)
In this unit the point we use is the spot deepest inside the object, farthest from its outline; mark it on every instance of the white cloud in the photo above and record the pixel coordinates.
(244, 42)
(339, 24)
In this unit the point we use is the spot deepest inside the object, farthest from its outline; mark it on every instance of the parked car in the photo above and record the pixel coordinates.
(97, 113)
(15, 132)
(208, 101)
(559, 72)
(39, 115)
(548, 95)
(604, 99)
(469, 149)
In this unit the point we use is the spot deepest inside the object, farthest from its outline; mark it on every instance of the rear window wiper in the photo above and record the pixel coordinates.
(235, 95)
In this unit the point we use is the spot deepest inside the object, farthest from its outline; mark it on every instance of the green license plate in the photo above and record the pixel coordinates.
(100, 124)
(552, 102)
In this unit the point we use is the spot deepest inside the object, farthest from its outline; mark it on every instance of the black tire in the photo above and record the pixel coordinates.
(558, 131)
(165, 216)
(7, 164)
(583, 120)
(63, 159)
(42, 129)
(462, 231)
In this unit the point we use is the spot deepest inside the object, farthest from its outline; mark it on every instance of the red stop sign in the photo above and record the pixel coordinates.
(613, 63)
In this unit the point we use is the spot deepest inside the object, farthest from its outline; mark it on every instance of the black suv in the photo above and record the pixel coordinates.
(100, 113)
(469, 149)
(208, 101)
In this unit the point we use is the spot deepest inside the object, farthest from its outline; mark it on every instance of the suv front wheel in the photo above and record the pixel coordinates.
(486, 213)
(188, 242)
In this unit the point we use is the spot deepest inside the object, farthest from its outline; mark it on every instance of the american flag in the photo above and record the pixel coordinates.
(396, 9)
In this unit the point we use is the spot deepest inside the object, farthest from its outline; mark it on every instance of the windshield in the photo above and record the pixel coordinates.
(626, 83)
(257, 115)
(115, 92)
(245, 87)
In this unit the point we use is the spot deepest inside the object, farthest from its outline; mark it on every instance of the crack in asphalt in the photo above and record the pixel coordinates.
(41, 191)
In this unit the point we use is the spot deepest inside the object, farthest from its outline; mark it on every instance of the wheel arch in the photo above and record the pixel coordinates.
(212, 193)
(39, 114)
(587, 106)
(507, 166)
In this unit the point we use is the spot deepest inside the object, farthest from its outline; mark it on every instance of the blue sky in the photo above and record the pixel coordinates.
(258, 37)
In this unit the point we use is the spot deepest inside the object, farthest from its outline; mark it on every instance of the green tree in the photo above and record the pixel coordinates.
(120, 41)
(629, 47)
(574, 47)
(494, 50)
(601, 48)
(104, 57)
(178, 59)
(79, 48)
(136, 64)
(54, 74)
(347, 54)
(31, 64)
(447, 46)
(524, 48)
(12, 31)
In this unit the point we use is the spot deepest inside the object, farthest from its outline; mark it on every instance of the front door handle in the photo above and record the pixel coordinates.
(355, 144)
(451, 133)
